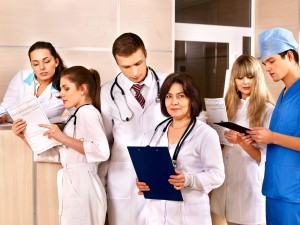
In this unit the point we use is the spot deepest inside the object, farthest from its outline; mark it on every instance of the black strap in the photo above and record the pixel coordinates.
(112, 88)
(74, 115)
(157, 81)
(182, 139)
(169, 119)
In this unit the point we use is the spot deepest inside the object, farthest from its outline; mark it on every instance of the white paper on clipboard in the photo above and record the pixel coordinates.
(216, 112)
(30, 110)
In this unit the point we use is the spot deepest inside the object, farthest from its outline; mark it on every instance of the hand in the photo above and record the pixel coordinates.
(3, 118)
(247, 139)
(142, 186)
(53, 131)
(177, 180)
(233, 137)
(261, 135)
(19, 127)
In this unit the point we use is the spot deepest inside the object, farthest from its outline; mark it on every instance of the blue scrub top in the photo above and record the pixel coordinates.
(282, 171)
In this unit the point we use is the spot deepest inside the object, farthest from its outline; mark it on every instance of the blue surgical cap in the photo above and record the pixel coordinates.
(276, 40)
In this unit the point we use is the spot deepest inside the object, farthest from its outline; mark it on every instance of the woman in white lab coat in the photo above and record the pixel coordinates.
(42, 81)
(199, 164)
(82, 197)
(248, 102)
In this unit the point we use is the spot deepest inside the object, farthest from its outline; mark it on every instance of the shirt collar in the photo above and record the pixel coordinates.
(147, 82)
(31, 78)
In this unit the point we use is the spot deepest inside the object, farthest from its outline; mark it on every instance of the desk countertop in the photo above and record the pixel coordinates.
(5, 126)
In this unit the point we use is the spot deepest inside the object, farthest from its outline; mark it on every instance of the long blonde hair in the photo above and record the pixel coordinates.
(248, 66)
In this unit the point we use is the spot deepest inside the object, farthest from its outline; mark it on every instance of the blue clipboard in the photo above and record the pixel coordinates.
(154, 166)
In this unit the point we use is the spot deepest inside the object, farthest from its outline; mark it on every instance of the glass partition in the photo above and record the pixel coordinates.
(207, 62)
(214, 12)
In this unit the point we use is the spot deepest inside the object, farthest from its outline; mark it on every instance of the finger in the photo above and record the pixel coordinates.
(47, 133)
(176, 183)
(178, 172)
(227, 132)
(143, 186)
(179, 186)
(141, 183)
(45, 125)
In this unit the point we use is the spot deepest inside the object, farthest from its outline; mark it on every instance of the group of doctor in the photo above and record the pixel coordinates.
(127, 122)
(95, 138)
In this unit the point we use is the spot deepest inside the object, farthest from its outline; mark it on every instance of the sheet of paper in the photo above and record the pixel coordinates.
(29, 109)
(216, 112)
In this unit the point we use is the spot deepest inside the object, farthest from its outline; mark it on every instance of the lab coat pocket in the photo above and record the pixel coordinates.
(119, 180)
(52, 156)
(197, 211)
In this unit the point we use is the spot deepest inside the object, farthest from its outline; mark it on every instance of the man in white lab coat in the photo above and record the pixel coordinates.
(130, 115)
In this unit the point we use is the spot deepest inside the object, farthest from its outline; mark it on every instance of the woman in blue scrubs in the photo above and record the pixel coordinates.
(281, 186)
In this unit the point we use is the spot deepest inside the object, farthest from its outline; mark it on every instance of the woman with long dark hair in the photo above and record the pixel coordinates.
(42, 81)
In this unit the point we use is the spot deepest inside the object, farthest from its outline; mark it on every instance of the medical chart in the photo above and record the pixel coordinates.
(216, 112)
(29, 109)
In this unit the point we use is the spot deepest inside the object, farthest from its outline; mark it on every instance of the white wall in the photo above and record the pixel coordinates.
(268, 14)
(83, 32)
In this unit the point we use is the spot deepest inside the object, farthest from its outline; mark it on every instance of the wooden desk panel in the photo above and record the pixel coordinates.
(46, 193)
(16, 188)
(28, 190)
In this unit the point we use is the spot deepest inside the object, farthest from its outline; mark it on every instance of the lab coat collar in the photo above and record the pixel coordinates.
(245, 100)
(31, 78)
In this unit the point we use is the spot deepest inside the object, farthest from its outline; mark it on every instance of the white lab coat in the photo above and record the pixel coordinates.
(22, 85)
(201, 156)
(124, 205)
(239, 199)
(82, 197)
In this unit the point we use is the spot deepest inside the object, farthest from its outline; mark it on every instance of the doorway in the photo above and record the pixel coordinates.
(207, 52)
(209, 36)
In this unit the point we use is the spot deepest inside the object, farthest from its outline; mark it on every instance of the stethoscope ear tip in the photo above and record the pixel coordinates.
(127, 119)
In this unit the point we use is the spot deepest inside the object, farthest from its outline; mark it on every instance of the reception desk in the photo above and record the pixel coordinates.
(28, 191)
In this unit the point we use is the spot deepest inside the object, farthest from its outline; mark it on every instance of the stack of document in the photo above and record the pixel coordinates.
(217, 118)
(216, 112)
(30, 110)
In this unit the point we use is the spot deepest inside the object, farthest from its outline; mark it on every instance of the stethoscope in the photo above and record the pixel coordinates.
(186, 133)
(157, 99)
(75, 118)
